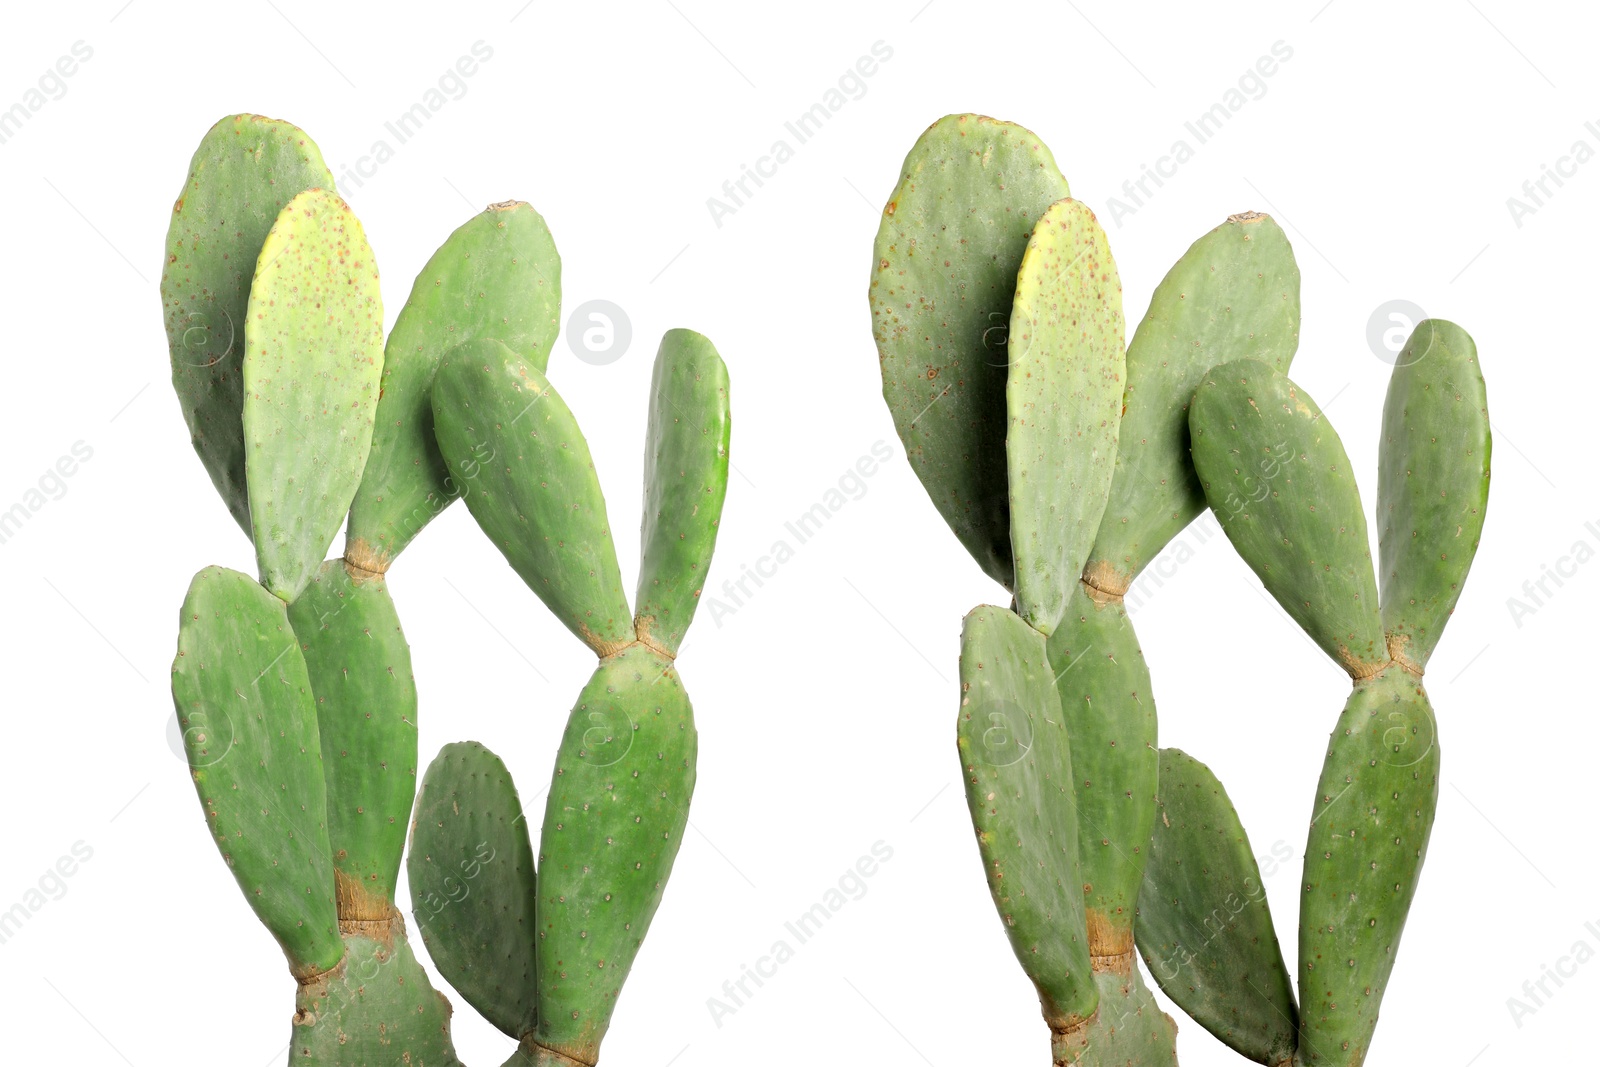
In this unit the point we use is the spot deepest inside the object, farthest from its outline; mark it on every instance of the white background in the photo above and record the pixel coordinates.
(1387, 146)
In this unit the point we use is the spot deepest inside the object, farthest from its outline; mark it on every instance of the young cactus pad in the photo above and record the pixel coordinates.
(1277, 477)
(944, 273)
(544, 952)
(245, 171)
(498, 275)
(313, 356)
(1204, 926)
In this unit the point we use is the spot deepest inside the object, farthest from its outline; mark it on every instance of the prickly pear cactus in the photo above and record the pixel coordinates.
(1277, 477)
(541, 940)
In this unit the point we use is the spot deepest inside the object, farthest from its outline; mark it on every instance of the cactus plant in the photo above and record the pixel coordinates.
(1057, 727)
(1276, 475)
(294, 691)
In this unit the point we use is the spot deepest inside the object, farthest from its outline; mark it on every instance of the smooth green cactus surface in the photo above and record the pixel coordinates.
(617, 809)
(1204, 928)
(943, 276)
(360, 669)
(1369, 834)
(473, 884)
(1234, 294)
(1279, 481)
(249, 726)
(376, 1008)
(685, 481)
(1063, 404)
(1433, 484)
(1129, 1030)
(527, 477)
(1017, 770)
(246, 169)
(498, 275)
(313, 356)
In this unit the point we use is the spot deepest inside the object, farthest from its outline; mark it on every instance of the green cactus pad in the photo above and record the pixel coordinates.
(618, 805)
(944, 271)
(1064, 405)
(499, 276)
(685, 480)
(377, 1007)
(1129, 1029)
(472, 880)
(314, 352)
(1204, 927)
(1277, 477)
(244, 704)
(524, 469)
(1433, 484)
(1369, 834)
(1017, 770)
(245, 170)
(1104, 688)
(360, 668)
(1234, 294)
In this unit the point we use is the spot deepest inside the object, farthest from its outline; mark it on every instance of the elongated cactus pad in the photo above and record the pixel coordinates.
(943, 275)
(685, 481)
(250, 731)
(1433, 484)
(360, 669)
(242, 174)
(1016, 766)
(1104, 688)
(314, 352)
(1204, 927)
(473, 884)
(1064, 405)
(376, 1007)
(524, 468)
(1369, 834)
(618, 805)
(1278, 479)
(1234, 294)
(498, 276)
